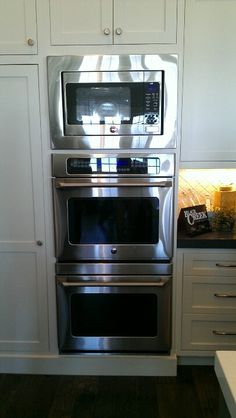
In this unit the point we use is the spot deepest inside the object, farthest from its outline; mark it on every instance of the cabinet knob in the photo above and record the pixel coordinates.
(106, 31)
(119, 31)
(30, 42)
(39, 243)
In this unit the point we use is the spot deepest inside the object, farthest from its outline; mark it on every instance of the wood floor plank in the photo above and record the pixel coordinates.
(193, 393)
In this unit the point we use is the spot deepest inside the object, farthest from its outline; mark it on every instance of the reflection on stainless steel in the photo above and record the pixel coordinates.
(134, 270)
(120, 70)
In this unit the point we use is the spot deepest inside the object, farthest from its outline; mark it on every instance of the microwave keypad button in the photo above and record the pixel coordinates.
(151, 119)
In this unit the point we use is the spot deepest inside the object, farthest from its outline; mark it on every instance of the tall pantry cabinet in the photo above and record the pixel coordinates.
(23, 289)
(23, 301)
(209, 82)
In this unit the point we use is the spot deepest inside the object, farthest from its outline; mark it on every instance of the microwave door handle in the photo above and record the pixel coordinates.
(60, 184)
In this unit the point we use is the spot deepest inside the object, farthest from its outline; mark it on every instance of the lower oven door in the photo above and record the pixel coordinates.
(111, 314)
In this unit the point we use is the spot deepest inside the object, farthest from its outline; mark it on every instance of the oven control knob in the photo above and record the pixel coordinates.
(114, 250)
(113, 129)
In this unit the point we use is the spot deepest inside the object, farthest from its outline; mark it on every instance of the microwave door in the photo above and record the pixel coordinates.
(103, 103)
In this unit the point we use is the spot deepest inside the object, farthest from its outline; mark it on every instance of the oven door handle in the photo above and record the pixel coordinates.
(69, 183)
(160, 283)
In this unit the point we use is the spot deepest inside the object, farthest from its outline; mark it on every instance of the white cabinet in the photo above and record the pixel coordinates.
(208, 316)
(113, 21)
(209, 89)
(18, 33)
(23, 291)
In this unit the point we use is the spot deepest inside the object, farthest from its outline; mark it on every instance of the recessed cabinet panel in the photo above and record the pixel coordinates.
(209, 294)
(16, 186)
(210, 264)
(18, 27)
(214, 332)
(19, 315)
(209, 90)
(150, 21)
(81, 22)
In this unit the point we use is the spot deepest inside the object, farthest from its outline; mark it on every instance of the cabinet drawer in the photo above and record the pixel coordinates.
(209, 294)
(210, 264)
(208, 332)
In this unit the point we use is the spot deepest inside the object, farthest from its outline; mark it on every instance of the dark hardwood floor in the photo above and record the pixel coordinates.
(194, 393)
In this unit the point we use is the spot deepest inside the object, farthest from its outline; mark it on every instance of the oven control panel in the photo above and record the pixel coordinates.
(146, 165)
(113, 165)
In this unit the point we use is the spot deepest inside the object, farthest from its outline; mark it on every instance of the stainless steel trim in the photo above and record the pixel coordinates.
(115, 269)
(224, 295)
(223, 265)
(216, 332)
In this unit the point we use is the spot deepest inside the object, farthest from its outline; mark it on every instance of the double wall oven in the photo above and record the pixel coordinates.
(113, 230)
(114, 117)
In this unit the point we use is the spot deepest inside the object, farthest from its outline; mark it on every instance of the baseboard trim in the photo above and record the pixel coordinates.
(91, 365)
(195, 361)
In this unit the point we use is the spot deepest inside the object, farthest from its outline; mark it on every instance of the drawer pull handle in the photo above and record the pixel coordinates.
(224, 295)
(223, 332)
(225, 265)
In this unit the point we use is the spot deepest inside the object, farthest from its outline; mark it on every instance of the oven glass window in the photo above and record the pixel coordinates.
(109, 103)
(109, 220)
(114, 314)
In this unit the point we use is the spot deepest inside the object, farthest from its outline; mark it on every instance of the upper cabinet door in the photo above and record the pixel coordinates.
(209, 89)
(18, 33)
(96, 22)
(146, 21)
(81, 22)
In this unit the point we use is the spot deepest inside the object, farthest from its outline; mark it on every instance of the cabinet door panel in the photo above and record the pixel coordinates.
(209, 128)
(81, 22)
(202, 294)
(210, 264)
(150, 21)
(19, 305)
(23, 294)
(18, 27)
(208, 332)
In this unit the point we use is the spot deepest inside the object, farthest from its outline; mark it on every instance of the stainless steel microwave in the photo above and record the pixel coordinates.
(113, 101)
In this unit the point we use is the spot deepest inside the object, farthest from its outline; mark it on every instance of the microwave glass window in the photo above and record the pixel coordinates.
(118, 220)
(94, 104)
(114, 314)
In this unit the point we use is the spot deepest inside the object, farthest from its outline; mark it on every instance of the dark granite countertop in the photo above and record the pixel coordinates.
(207, 240)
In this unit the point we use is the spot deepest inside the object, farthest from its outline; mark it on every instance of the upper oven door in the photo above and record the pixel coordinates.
(112, 102)
(113, 219)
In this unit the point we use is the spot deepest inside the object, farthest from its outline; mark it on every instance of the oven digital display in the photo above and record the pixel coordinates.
(113, 165)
